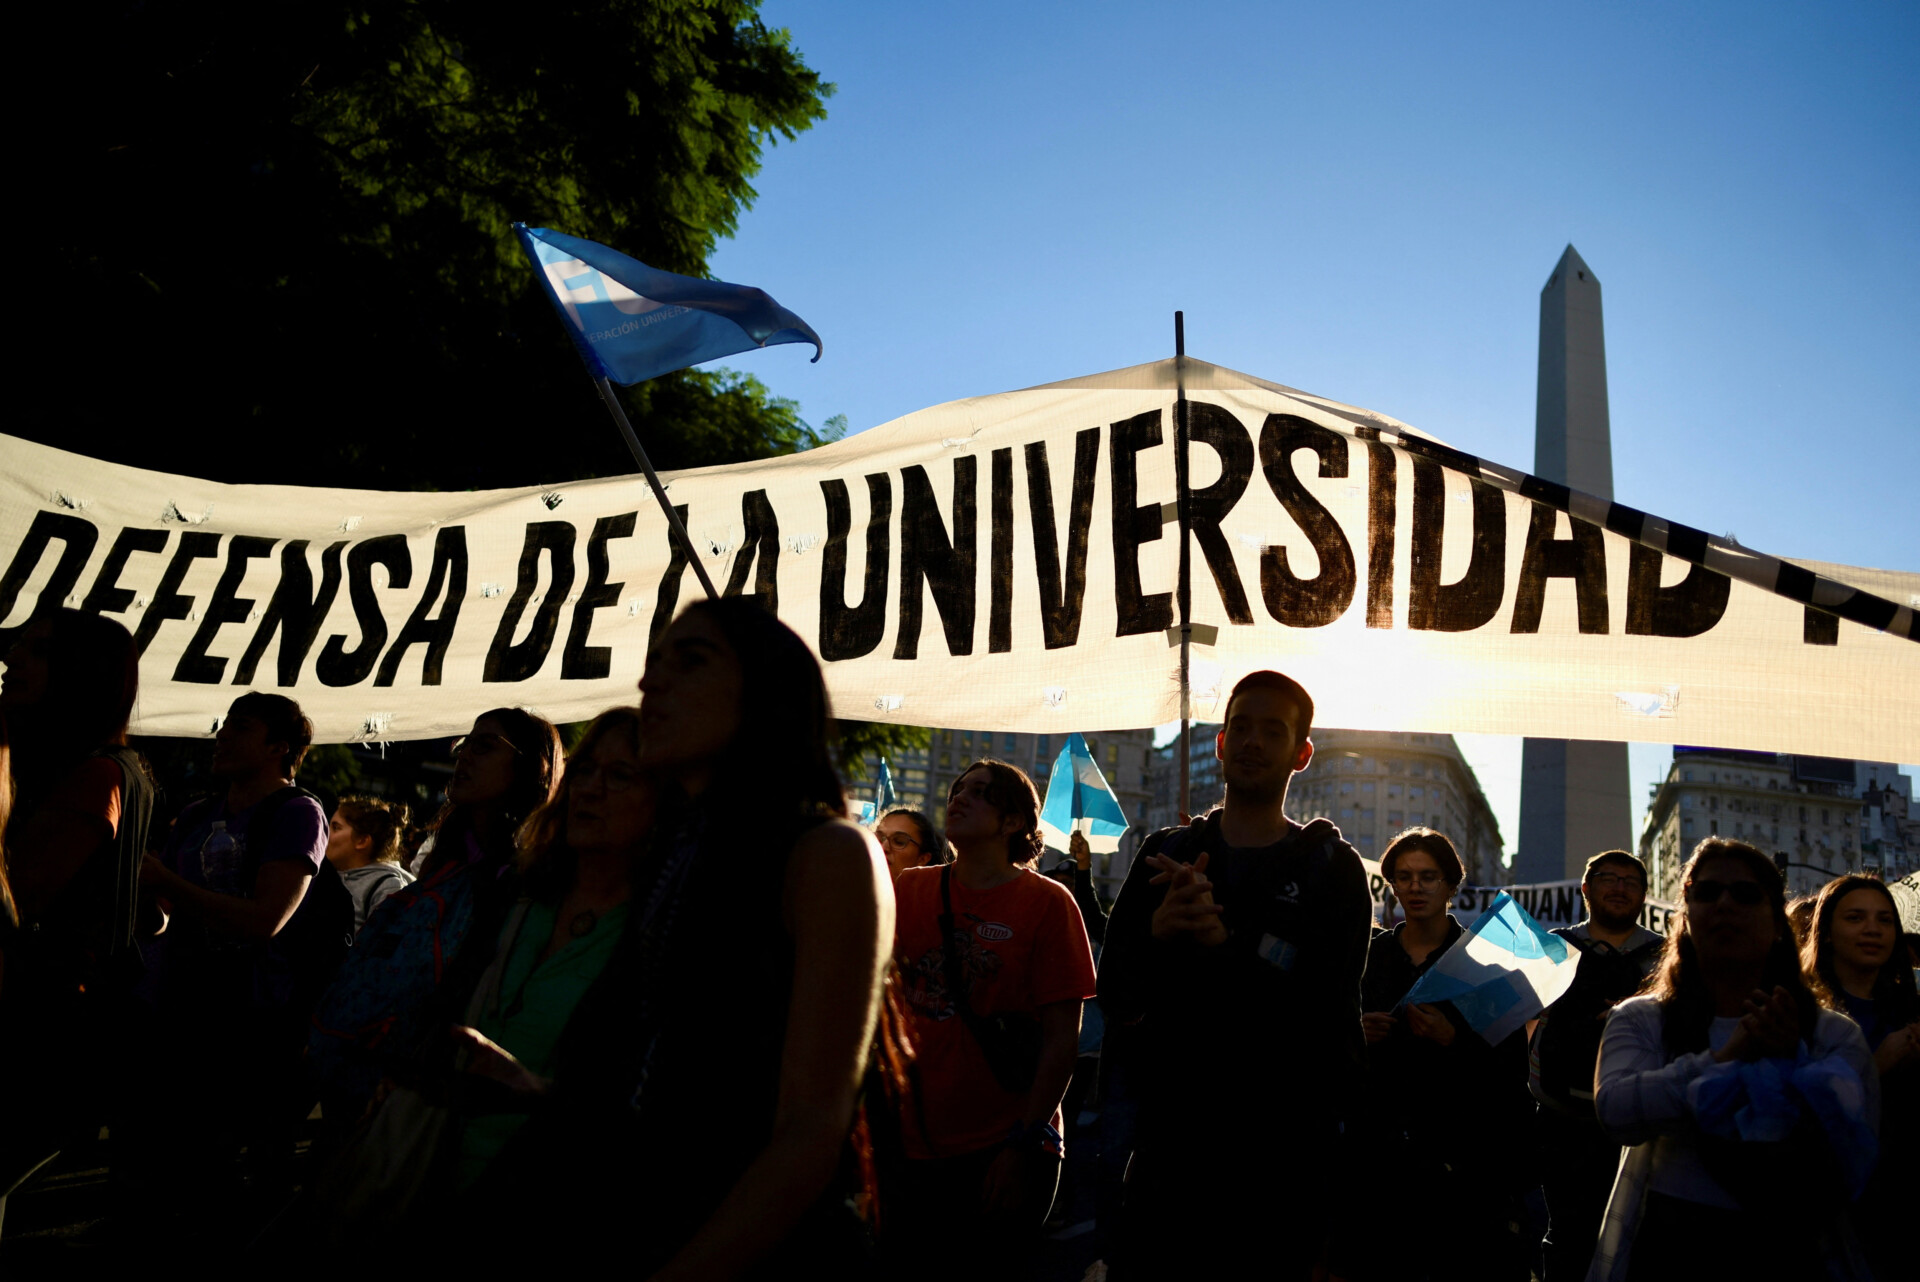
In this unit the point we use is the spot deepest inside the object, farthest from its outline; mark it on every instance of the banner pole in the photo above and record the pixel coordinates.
(659, 490)
(1184, 588)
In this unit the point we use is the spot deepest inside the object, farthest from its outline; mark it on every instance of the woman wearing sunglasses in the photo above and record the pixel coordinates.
(375, 1014)
(1750, 1111)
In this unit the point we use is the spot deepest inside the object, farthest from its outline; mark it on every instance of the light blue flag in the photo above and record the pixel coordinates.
(632, 322)
(1502, 972)
(885, 793)
(867, 813)
(1079, 800)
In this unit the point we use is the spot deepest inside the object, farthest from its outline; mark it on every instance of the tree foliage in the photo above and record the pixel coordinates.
(280, 234)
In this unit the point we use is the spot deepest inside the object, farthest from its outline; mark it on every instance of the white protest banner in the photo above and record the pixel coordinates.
(1005, 562)
(1551, 903)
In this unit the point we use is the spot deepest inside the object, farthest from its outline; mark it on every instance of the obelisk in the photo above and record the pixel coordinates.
(1574, 793)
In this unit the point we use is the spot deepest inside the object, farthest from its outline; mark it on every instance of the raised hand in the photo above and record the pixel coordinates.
(1082, 853)
(1188, 911)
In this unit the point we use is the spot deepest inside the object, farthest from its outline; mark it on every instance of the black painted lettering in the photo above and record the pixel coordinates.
(505, 660)
(848, 632)
(1455, 607)
(226, 606)
(336, 663)
(1383, 501)
(106, 596)
(946, 565)
(1582, 558)
(760, 548)
(1136, 612)
(1000, 555)
(77, 537)
(1217, 427)
(295, 610)
(580, 661)
(1063, 589)
(1294, 601)
(338, 666)
(168, 604)
(447, 578)
(1686, 609)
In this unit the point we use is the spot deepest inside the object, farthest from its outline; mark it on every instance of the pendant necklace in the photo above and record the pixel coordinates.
(583, 923)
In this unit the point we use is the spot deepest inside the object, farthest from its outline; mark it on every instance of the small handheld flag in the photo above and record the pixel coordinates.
(1080, 800)
(884, 794)
(632, 322)
(1503, 971)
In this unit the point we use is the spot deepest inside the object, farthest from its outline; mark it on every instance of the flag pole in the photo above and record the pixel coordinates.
(659, 490)
(1184, 589)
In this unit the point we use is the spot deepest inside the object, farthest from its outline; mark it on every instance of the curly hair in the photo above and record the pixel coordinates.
(1893, 987)
(1012, 793)
(384, 821)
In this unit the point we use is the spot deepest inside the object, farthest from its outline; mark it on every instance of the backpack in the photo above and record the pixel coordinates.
(371, 1016)
(1565, 1045)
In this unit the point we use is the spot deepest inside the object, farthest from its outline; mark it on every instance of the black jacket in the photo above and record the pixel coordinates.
(1266, 1025)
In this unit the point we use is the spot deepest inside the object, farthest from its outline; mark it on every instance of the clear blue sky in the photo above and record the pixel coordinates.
(1364, 201)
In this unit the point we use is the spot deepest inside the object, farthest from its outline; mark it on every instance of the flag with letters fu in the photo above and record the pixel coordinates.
(1079, 799)
(632, 322)
(1502, 972)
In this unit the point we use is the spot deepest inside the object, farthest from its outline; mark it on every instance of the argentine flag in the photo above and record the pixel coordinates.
(632, 322)
(1079, 800)
(1505, 970)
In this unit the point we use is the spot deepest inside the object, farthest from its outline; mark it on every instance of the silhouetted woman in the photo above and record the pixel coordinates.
(704, 1092)
(1855, 959)
(82, 804)
(1749, 1110)
(374, 1015)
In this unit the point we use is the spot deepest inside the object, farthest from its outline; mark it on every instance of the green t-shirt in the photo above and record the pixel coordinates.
(536, 1000)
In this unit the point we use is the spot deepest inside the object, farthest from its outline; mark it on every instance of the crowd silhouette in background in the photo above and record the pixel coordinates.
(658, 1001)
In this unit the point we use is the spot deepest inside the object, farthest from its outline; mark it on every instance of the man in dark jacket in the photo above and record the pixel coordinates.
(1236, 946)
(1577, 1159)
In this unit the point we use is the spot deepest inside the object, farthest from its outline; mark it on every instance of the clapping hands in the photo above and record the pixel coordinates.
(1188, 911)
(1770, 1029)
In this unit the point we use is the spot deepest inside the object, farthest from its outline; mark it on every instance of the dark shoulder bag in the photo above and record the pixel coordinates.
(1010, 1040)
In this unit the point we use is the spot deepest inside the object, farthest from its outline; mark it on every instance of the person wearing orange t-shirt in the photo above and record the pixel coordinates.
(995, 964)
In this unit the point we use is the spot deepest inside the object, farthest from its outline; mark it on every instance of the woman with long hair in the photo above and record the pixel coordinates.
(78, 827)
(576, 863)
(375, 1014)
(1855, 960)
(704, 1093)
(1749, 1110)
(996, 966)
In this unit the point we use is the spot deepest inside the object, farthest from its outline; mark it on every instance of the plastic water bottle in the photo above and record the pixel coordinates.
(220, 858)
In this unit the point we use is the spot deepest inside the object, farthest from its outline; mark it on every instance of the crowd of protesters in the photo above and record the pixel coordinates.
(659, 1000)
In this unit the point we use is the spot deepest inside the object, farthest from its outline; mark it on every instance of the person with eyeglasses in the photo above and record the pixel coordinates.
(375, 1014)
(1577, 1157)
(1449, 1113)
(909, 840)
(1750, 1114)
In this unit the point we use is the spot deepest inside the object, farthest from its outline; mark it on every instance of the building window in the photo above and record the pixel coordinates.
(1043, 746)
(1414, 794)
(1346, 788)
(1713, 827)
(1367, 786)
(1113, 754)
(1395, 818)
